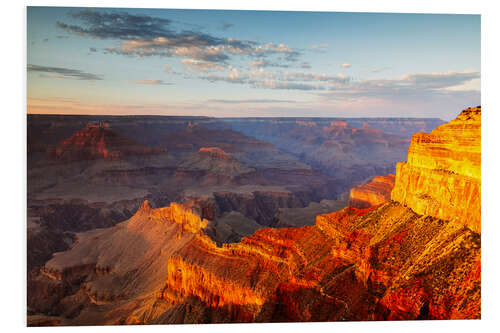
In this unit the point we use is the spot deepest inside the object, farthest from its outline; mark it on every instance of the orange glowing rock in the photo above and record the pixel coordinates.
(97, 141)
(376, 192)
(442, 177)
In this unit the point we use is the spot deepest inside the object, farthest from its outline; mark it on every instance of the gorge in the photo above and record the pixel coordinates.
(400, 250)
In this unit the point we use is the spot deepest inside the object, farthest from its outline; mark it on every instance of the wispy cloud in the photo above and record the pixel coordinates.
(267, 63)
(201, 66)
(260, 78)
(153, 82)
(305, 65)
(409, 87)
(250, 101)
(142, 35)
(60, 72)
(226, 26)
(378, 70)
(345, 65)
(319, 48)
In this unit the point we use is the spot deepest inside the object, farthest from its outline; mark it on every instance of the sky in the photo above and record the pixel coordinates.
(251, 63)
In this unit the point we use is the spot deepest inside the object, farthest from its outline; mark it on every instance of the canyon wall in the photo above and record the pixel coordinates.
(376, 192)
(442, 177)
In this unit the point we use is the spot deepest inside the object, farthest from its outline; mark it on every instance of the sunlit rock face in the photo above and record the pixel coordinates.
(376, 192)
(97, 141)
(442, 177)
(355, 264)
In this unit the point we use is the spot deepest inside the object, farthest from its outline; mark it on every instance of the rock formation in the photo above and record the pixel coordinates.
(215, 161)
(376, 192)
(346, 153)
(377, 263)
(97, 141)
(442, 177)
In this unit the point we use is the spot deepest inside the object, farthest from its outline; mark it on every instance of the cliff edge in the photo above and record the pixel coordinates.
(442, 177)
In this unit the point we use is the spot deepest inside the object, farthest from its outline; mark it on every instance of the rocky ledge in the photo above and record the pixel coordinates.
(374, 193)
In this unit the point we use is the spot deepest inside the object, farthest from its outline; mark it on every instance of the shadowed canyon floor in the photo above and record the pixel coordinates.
(212, 257)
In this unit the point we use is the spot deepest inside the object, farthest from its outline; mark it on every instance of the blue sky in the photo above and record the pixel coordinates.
(251, 63)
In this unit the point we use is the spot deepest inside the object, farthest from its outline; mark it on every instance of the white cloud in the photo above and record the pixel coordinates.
(345, 65)
(200, 66)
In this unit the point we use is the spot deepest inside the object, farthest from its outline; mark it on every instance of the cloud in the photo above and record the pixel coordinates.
(305, 65)
(226, 26)
(408, 87)
(92, 49)
(320, 46)
(342, 87)
(378, 70)
(301, 76)
(168, 68)
(260, 78)
(45, 40)
(249, 101)
(209, 53)
(59, 72)
(200, 66)
(116, 25)
(272, 84)
(267, 63)
(153, 82)
(345, 65)
(142, 35)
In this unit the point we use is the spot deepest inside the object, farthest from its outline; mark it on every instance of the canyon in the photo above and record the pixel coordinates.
(246, 231)
(87, 172)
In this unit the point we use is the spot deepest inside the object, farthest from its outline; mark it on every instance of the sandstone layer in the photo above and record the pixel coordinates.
(376, 192)
(442, 177)
(97, 141)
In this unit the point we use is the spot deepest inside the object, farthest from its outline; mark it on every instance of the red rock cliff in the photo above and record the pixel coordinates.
(442, 177)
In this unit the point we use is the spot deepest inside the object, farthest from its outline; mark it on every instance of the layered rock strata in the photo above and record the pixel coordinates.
(442, 177)
(97, 141)
(376, 192)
